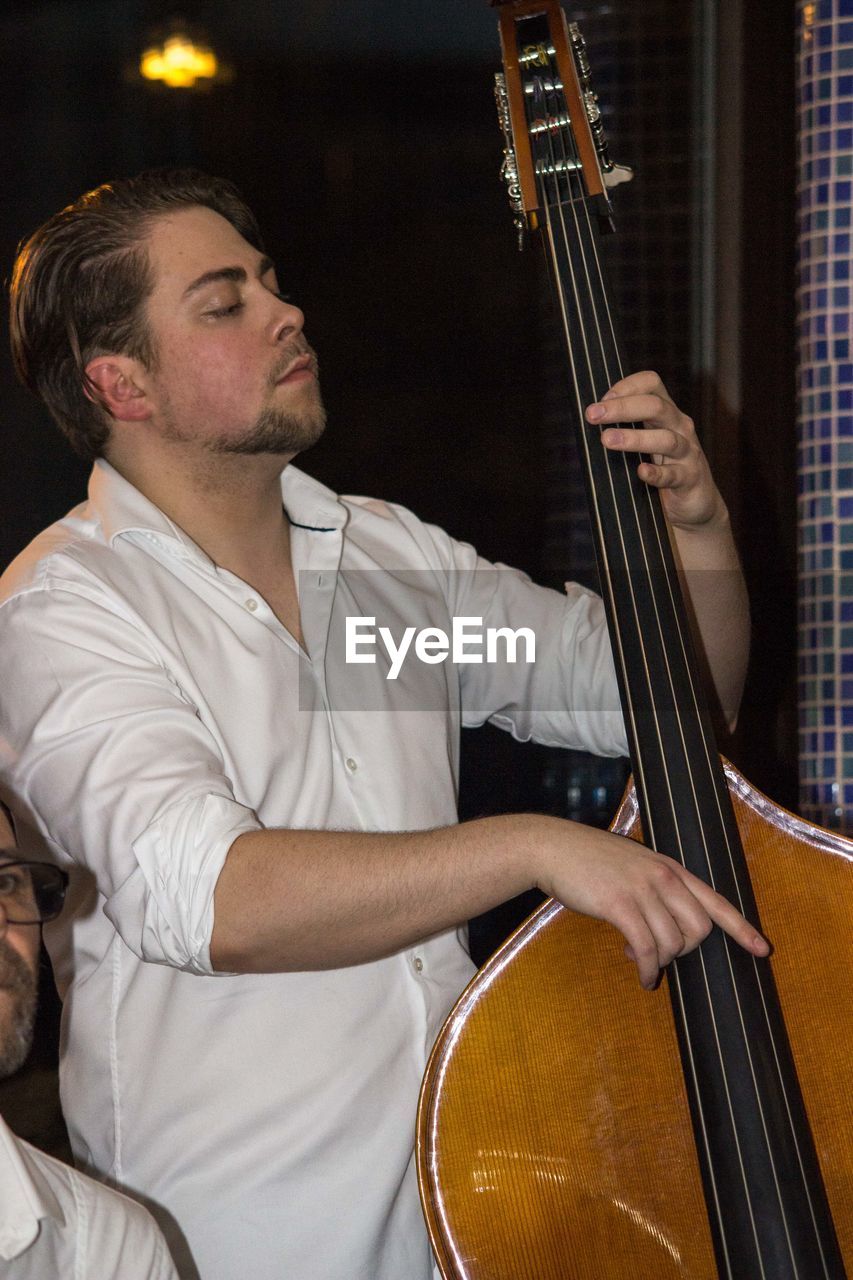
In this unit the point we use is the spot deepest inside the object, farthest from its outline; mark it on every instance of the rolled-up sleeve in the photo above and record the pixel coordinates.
(114, 767)
(568, 694)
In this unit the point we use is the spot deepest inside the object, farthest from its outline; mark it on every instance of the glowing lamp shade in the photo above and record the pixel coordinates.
(179, 63)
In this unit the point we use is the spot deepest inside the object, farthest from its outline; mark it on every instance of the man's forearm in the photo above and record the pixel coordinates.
(293, 900)
(322, 899)
(713, 582)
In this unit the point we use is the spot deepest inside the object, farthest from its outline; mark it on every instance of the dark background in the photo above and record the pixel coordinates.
(364, 136)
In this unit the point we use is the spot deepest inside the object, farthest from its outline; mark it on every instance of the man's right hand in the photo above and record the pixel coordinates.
(661, 909)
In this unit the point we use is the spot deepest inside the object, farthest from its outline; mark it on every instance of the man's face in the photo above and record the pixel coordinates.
(19, 951)
(234, 373)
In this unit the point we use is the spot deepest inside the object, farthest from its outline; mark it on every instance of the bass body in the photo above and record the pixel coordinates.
(554, 1135)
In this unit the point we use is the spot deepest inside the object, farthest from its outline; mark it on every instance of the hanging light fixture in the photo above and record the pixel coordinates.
(182, 60)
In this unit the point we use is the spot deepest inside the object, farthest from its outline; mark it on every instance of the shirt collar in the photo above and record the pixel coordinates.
(123, 509)
(25, 1197)
(309, 503)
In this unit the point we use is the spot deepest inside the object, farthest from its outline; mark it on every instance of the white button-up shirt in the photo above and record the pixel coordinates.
(57, 1224)
(152, 709)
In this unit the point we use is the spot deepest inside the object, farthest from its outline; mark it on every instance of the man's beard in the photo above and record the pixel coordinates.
(276, 431)
(18, 997)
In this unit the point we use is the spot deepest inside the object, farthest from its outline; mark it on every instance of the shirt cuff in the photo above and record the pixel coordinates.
(164, 910)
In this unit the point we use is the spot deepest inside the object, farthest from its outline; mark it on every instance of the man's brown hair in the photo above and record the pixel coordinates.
(80, 283)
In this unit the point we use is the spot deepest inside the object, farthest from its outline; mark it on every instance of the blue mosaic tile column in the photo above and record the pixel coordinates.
(825, 411)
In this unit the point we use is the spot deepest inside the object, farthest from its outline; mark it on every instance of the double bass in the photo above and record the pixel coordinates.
(571, 1125)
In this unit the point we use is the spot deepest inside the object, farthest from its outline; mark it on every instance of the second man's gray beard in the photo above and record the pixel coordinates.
(18, 987)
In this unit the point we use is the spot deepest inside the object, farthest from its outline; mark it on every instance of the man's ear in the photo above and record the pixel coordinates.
(118, 383)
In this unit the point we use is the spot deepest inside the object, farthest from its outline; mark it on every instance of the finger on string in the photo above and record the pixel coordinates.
(663, 442)
(727, 916)
(690, 917)
(632, 408)
(669, 476)
(645, 381)
(668, 934)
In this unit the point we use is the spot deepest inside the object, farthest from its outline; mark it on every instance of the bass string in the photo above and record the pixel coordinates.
(711, 760)
(622, 462)
(569, 166)
(649, 579)
(711, 764)
(607, 572)
(656, 513)
(576, 383)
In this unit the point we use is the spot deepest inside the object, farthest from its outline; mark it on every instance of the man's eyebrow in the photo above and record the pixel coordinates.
(236, 274)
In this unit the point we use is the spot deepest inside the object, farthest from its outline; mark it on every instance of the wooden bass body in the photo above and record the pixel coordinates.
(553, 1144)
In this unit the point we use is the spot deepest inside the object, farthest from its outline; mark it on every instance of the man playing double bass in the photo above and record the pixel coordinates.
(268, 878)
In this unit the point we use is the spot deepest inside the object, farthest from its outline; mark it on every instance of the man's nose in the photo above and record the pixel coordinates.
(287, 320)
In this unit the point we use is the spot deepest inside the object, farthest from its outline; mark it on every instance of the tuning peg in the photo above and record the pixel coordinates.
(616, 175)
(612, 174)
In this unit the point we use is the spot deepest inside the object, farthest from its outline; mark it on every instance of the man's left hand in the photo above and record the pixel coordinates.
(679, 468)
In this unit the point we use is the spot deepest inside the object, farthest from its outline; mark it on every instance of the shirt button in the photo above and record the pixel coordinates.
(419, 964)
(251, 605)
(351, 764)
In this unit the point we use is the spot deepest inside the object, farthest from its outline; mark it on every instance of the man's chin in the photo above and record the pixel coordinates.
(279, 434)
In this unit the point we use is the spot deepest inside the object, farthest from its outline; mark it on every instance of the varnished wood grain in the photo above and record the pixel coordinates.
(550, 1146)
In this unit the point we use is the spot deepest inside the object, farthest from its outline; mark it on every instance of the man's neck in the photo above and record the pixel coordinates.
(229, 505)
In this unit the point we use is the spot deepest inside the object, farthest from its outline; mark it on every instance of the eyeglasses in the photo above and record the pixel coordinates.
(32, 892)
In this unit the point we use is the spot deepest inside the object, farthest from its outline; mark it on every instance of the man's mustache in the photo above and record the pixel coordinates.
(288, 356)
